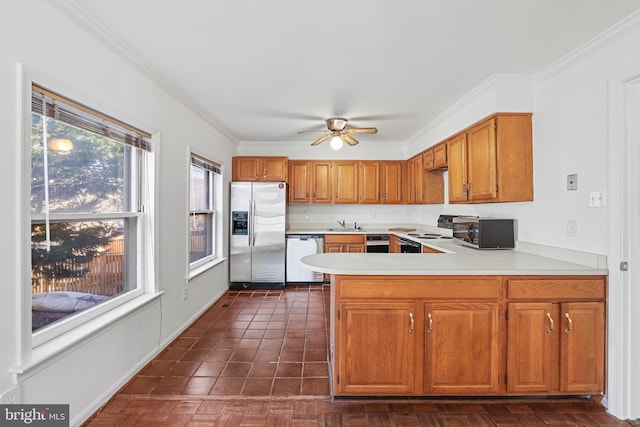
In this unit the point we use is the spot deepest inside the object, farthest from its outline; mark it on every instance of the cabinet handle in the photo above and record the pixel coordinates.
(412, 323)
(430, 328)
(469, 188)
(569, 325)
(464, 187)
(551, 323)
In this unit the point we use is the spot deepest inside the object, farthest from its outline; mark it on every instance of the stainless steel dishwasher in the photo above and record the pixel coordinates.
(298, 246)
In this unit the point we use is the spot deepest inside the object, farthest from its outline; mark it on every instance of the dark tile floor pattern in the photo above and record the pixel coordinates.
(259, 358)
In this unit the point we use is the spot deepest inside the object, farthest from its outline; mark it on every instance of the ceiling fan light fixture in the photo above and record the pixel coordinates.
(336, 142)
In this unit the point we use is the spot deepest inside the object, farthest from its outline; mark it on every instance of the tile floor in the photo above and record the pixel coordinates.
(250, 343)
(259, 358)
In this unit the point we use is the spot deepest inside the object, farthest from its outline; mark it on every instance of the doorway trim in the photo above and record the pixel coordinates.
(623, 375)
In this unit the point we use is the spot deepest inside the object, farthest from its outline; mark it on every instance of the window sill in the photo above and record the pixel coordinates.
(205, 267)
(56, 348)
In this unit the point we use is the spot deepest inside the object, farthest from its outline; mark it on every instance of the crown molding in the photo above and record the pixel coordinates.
(96, 30)
(614, 33)
(491, 83)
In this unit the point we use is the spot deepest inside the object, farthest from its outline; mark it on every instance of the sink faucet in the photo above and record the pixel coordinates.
(343, 223)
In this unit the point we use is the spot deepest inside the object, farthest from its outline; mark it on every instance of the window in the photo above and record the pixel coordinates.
(88, 193)
(204, 179)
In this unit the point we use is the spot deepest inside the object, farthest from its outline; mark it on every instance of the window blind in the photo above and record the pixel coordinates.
(50, 104)
(203, 163)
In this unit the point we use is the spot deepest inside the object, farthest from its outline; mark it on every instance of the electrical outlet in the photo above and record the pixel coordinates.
(572, 181)
(185, 293)
(572, 228)
(11, 396)
(596, 199)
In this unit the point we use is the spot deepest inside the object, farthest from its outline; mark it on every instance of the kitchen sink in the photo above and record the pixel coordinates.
(346, 230)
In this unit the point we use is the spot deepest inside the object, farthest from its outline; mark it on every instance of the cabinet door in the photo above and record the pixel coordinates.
(427, 159)
(394, 244)
(415, 179)
(345, 179)
(532, 347)
(440, 156)
(462, 348)
(246, 168)
(355, 248)
(369, 182)
(428, 250)
(582, 347)
(411, 180)
(321, 182)
(376, 351)
(333, 248)
(482, 168)
(391, 182)
(419, 179)
(299, 181)
(274, 169)
(457, 155)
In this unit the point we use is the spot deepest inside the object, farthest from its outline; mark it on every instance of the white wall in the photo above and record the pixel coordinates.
(47, 43)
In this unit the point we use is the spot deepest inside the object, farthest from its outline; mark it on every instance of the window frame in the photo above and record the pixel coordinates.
(215, 209)
(37, 346)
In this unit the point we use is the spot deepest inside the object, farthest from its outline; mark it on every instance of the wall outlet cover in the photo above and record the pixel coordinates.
(572, 181)
(11, 396)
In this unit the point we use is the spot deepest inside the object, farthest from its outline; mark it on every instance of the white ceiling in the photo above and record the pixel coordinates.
(264, 70)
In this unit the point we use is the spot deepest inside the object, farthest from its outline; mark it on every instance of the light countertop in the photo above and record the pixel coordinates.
(456, 260)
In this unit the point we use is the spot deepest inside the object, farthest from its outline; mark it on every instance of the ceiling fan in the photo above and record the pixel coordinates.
(338, 132)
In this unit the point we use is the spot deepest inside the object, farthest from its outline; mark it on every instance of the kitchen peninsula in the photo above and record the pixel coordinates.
(464, 322)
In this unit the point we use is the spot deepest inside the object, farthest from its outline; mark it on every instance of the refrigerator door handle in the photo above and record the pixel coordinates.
(253, 222)
(250, 224)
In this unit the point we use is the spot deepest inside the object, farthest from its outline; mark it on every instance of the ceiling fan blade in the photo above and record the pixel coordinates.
(321, 139)
(312, 131)
(362, 130)
(349, 139)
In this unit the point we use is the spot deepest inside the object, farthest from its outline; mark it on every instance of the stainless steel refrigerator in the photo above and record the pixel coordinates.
(257, 235)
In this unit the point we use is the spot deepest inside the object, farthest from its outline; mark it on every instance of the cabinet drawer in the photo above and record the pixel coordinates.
(344, 238)
(584, 288)
(418, 287)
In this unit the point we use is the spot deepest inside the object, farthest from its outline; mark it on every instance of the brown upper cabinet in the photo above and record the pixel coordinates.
(321, 182)
(435, 157)
(345, 181)
(492, 161)
(268, 169)
(423, 187)
(369, 182)
(310, 181)
(300, 172)
(380, 182)
(415, 181)
(391, 182)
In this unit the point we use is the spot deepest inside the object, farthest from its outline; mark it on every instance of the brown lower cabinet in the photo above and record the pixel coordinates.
(467, 335)
(345, 243)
